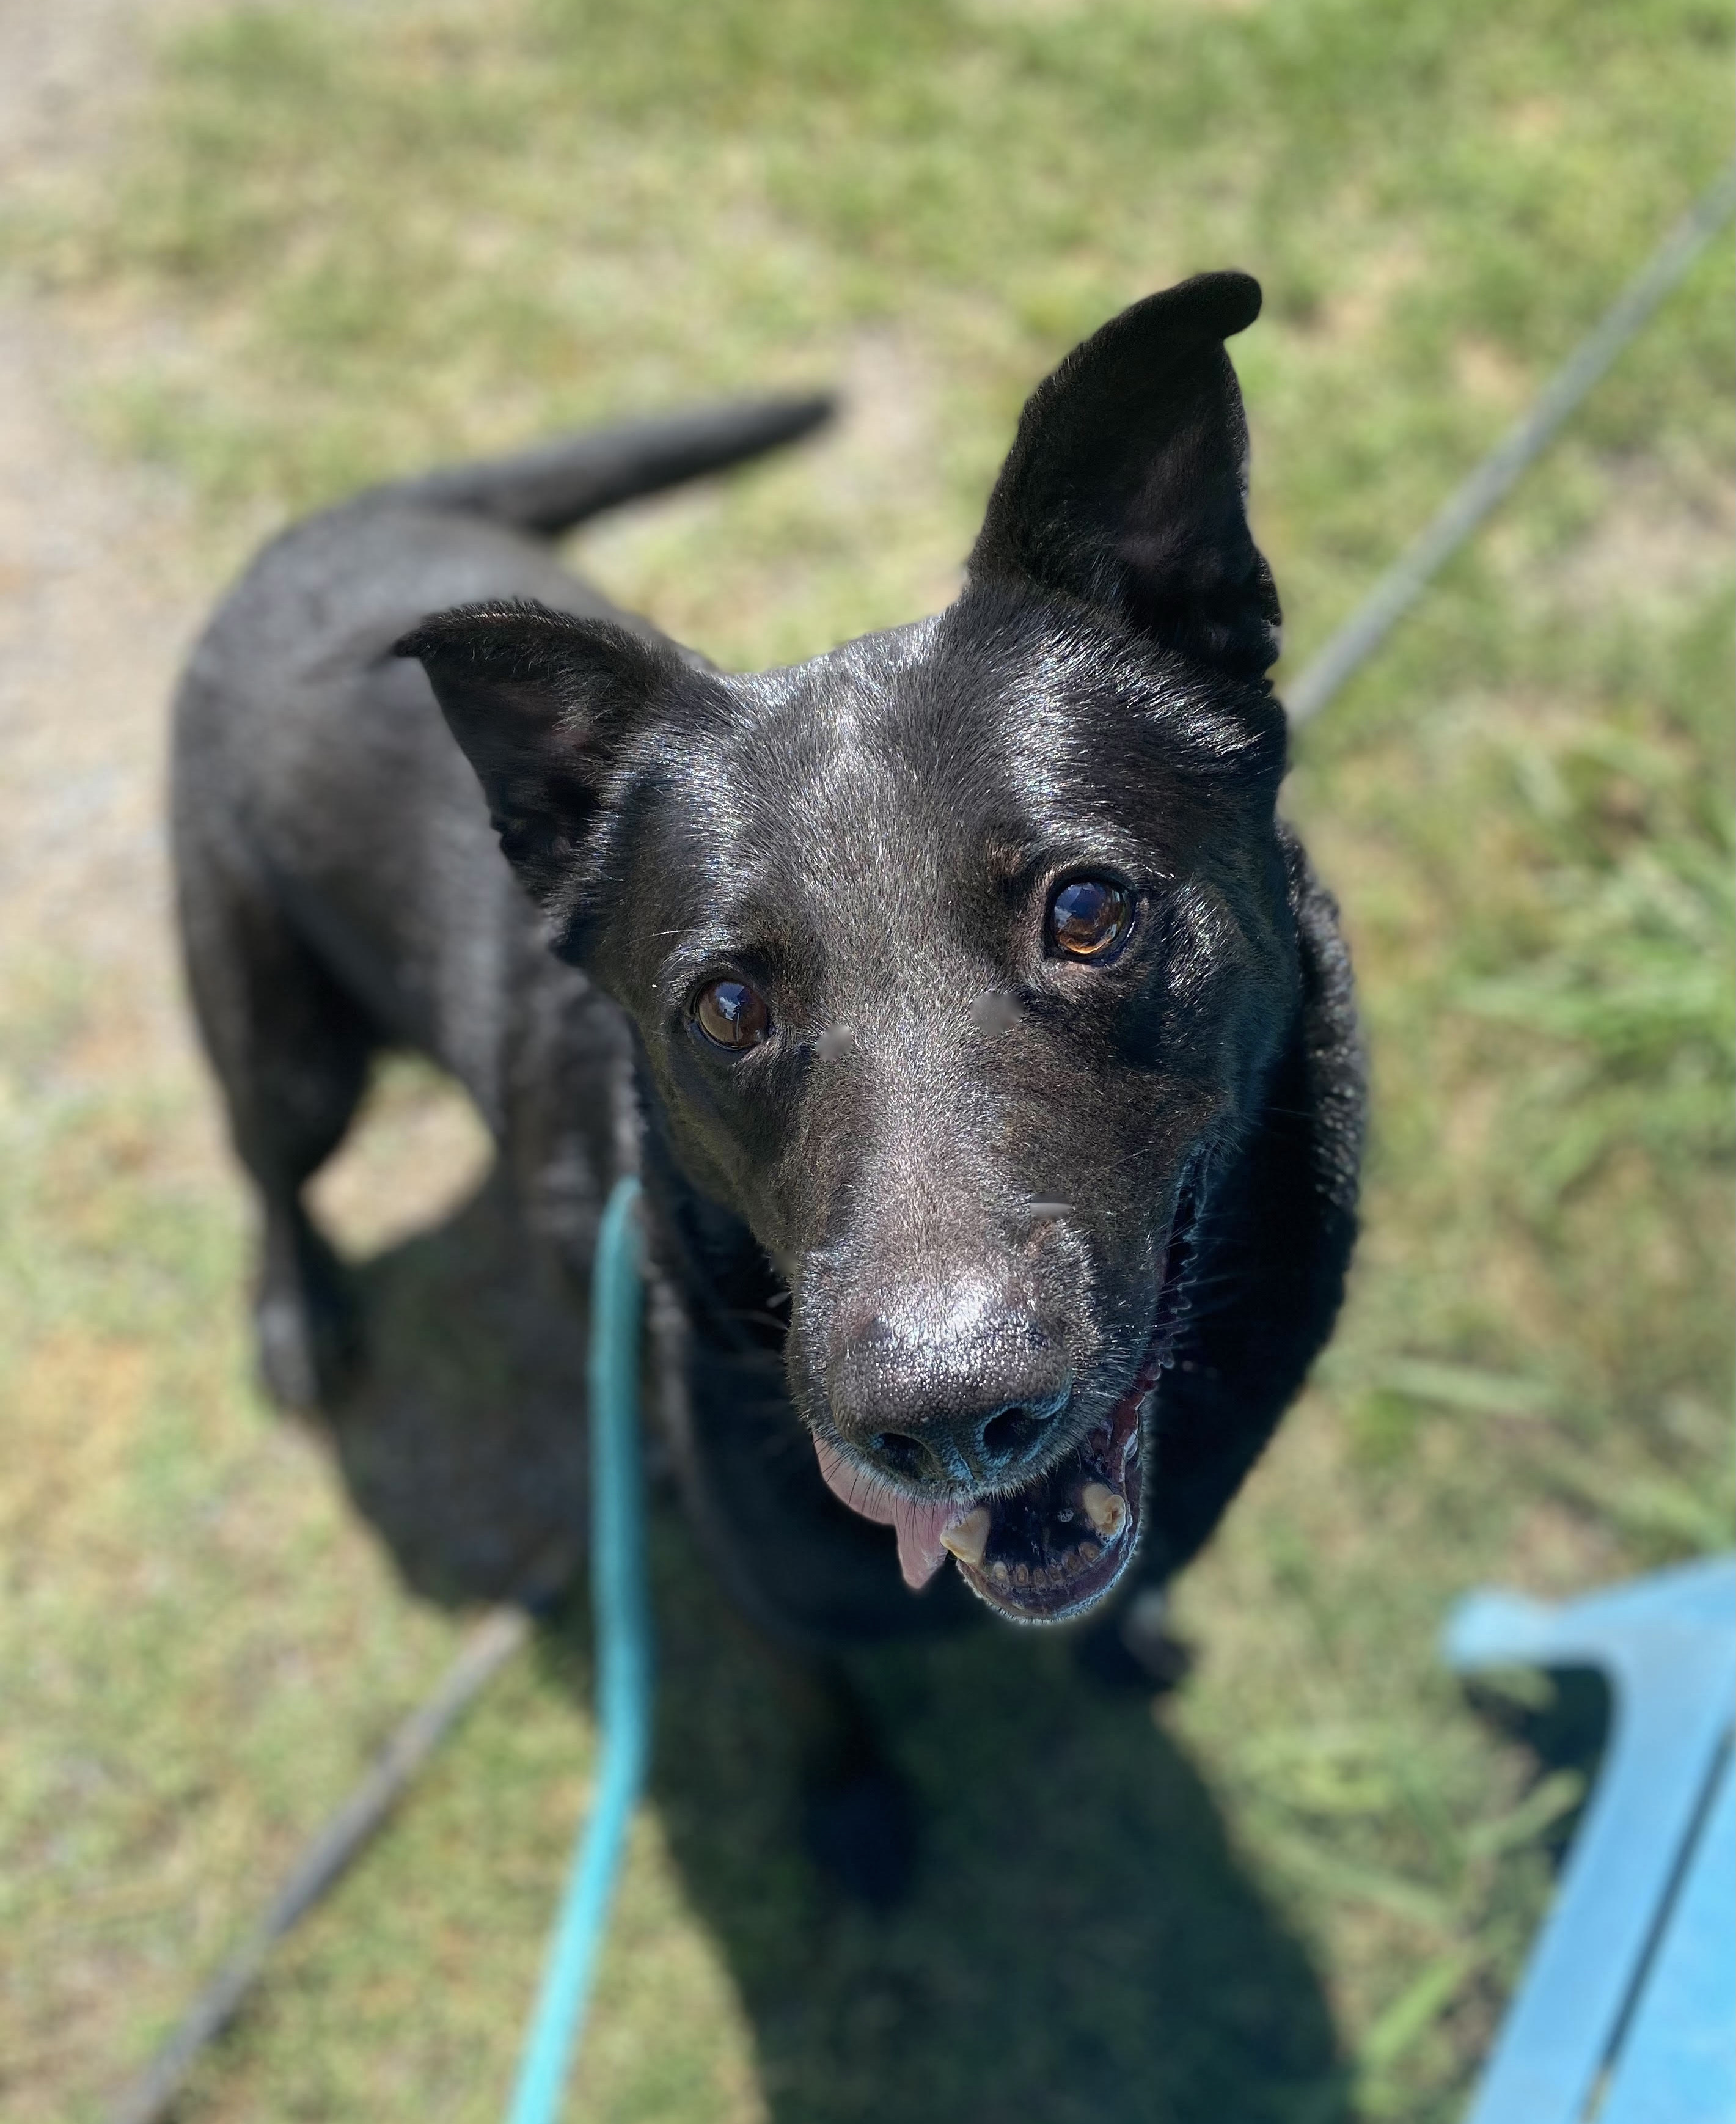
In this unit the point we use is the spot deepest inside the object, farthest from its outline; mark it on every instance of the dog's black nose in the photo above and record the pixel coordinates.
(953, 1386)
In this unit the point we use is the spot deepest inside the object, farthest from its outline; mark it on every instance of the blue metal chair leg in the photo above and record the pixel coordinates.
(1627, 2007)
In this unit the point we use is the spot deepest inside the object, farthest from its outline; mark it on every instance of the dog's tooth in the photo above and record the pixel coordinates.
(970, 1538)
(1021, 1574)
(998, 1572)
(1088, 1552)
(1106, 1508)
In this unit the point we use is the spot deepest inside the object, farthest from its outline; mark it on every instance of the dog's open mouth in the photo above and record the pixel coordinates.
(1054, 1548)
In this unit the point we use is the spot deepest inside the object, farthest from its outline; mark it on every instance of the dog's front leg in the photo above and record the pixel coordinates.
(801, 1572)
(858, 1816)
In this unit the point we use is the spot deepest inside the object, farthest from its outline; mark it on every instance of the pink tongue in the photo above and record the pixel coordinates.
(920, 1523)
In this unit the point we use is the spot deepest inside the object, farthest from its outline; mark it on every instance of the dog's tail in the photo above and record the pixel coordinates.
(547, 490)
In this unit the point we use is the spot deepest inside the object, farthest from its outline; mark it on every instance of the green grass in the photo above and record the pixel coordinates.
(339, 242)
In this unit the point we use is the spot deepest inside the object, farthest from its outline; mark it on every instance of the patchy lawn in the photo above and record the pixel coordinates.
(333, 241)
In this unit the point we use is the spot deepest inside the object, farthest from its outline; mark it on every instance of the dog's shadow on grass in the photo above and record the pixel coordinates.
(1083, 1941)
(462, 1440)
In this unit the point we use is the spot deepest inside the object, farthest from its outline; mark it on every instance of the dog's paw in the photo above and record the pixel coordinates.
(861, 1833)
(1133, 1648)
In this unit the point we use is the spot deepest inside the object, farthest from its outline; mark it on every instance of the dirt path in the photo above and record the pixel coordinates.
(96, 609)
(118, 1890)
(100, 591)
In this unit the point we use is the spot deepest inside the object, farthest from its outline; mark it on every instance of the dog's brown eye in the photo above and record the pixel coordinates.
(731, 1014)
(1089, 917)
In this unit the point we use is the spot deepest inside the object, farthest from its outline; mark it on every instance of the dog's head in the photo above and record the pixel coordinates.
(956, 956)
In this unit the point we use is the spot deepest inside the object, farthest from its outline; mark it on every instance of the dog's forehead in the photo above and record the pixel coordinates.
(876, 815)
(849, 831)
(909, 756)
(862, 753)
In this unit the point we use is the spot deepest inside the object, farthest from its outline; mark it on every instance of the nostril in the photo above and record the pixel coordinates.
(1009, 1435)
(904, 1455)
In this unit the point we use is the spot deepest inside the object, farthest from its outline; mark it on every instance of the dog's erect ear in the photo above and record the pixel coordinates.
(540, 703)
(1126, 484)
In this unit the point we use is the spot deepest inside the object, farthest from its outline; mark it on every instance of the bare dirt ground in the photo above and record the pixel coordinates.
(104, 583)
(99, 590)
(103, 586)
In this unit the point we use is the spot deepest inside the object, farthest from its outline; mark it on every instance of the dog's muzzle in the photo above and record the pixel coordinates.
(1047, 1548)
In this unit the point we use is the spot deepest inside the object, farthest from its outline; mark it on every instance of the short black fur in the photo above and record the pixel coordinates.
(979, 1220)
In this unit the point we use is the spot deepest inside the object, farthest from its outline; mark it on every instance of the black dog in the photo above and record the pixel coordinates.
(959, 990)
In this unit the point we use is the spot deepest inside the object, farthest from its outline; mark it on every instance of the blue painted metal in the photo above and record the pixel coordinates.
(1677, 2064)
(1644, 1927)
(622, 1619)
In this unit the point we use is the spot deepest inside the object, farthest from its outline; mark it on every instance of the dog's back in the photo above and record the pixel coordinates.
(340, 887)
(984, 1040)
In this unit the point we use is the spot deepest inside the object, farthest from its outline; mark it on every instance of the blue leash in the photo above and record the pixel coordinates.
(623, 1623)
